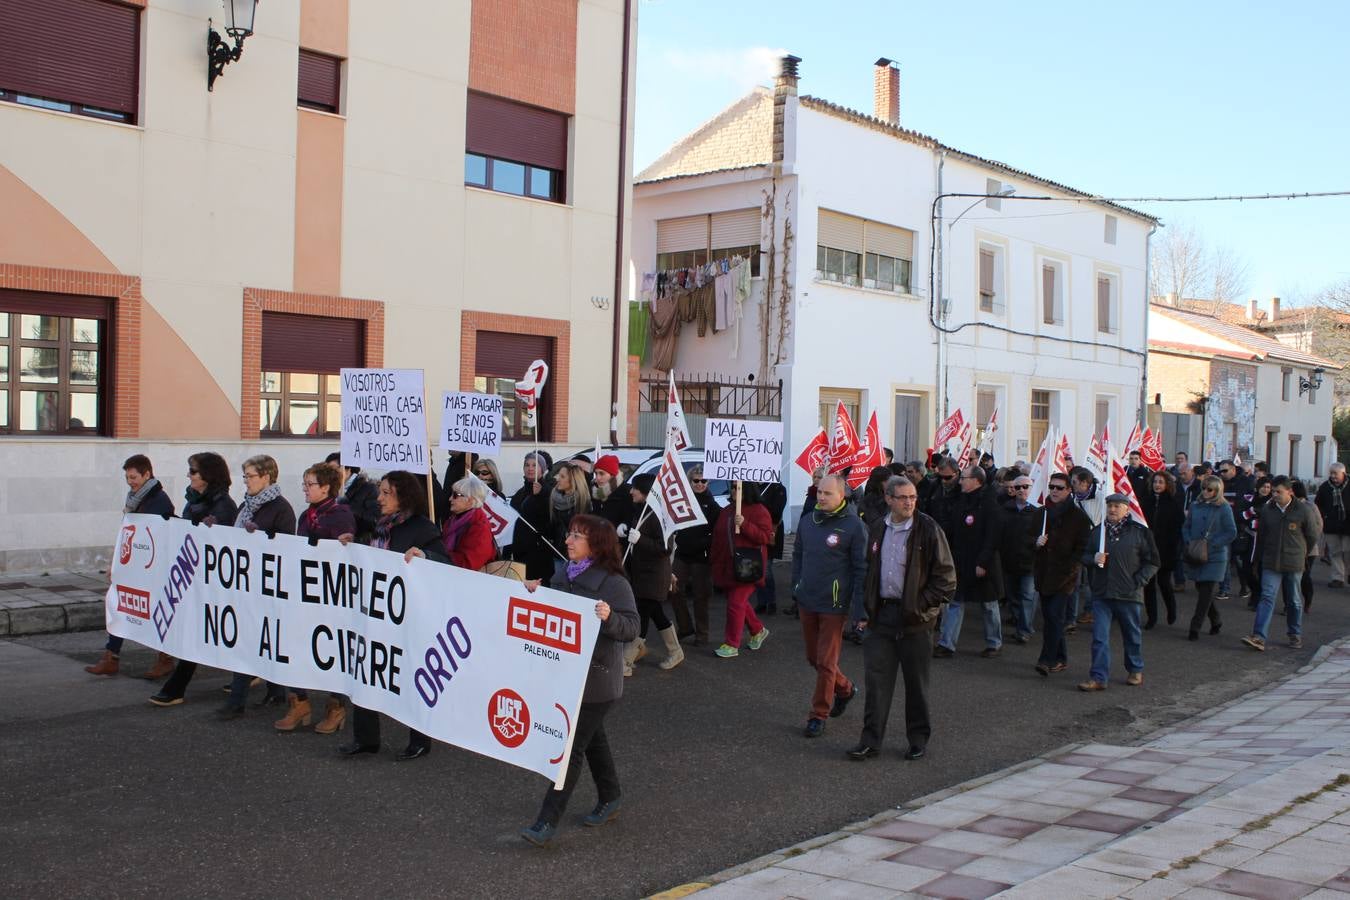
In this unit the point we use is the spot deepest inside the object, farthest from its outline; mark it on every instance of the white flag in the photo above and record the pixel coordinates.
(1042, 468)
(676, 427)
(672, 496)
(501, 519)
(529, 389)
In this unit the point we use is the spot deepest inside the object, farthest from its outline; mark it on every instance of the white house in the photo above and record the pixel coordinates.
(859, 224)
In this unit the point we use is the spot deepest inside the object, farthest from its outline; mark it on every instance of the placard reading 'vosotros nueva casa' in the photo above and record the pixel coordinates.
(384, 420)
(742, 450)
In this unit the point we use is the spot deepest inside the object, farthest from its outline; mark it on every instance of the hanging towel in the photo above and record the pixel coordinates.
(665, 332)
(723, 288)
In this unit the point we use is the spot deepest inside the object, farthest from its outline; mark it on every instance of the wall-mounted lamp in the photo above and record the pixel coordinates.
(1310, 384)
(219, 53)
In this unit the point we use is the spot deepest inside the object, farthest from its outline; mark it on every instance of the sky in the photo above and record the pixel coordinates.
(1184, 98)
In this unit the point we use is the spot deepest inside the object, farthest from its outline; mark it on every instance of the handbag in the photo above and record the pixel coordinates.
(1197, 549)
(747, 563)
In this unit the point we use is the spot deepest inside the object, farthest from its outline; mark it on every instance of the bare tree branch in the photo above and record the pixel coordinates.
(1229, 275)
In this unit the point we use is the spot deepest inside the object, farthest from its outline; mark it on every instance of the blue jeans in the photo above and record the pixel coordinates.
(1125, 612)
(956, 614)
(1271, 582)
(1022, 599)
(114, 645)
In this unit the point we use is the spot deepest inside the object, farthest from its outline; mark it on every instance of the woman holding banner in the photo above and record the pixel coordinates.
(403, 528)
(208, 503)
(325, 519)
(594, 570)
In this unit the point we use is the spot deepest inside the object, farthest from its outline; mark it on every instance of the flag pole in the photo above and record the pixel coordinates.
(736, 521)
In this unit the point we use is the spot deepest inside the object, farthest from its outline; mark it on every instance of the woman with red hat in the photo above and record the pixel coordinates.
(608, 500)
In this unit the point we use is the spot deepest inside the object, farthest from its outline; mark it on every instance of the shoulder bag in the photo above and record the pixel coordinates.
(747, 563)
(1197, 549)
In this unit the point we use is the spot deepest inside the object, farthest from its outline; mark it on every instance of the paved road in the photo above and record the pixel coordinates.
(103, 794)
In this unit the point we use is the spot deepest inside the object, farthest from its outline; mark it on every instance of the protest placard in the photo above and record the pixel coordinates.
(384, 421)
(743, 450)
(471, 423)
(469, 659)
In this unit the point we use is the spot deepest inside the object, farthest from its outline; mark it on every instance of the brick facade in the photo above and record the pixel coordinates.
(559, 380)
(741, 136)
(525, 51)
(124, 341)
(258, 301)
(1177, 379)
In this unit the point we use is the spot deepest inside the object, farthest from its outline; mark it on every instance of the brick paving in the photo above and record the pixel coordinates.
(1252, 800)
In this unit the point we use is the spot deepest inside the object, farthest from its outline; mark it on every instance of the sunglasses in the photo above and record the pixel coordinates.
(194, 472)
(698, 481)
(910, 497)
(1021, 487)
(947, 477)
(1058, 487)
(458, 495)
(483, 473)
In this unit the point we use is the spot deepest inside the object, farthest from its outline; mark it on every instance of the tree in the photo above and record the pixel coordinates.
(1181, 262)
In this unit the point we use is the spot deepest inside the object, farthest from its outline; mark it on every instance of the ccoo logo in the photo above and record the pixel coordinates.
(544, 624)
(509, 718)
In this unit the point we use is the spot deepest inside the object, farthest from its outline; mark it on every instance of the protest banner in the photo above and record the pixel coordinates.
(814, 454)
(950, 428)
(742, 450)
(868, 457)
(471, 423)
(384, 422)
(844, 443)
(672, 496)
(676, 426)
(501, 519)
(469, 659)
(1150, 450)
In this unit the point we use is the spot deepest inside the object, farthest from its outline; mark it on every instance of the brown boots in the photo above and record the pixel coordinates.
(106, 665)
(299, 714)
(334, 715)
(162, 667)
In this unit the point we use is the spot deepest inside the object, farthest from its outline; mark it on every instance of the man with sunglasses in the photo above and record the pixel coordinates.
(972, 526)
(1061, 530)
(910, 574)
(1015, 552)
(1239, 489)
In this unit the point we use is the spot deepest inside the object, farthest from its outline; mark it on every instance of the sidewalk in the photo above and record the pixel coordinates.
(1252, 800)
(60, 601)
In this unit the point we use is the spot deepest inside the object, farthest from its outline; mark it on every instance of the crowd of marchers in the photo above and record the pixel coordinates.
(892, 565)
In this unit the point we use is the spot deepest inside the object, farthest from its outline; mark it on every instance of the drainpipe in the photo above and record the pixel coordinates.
(1148, 300)
(939, 388)
(619, 224)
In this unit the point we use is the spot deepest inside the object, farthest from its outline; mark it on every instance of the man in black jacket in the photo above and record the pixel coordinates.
(1014, 550)
(691, 567)
(972, 527)
(361, 496)
(1061, 529)
(1333, 499)
(910, 574)
(1239, 489)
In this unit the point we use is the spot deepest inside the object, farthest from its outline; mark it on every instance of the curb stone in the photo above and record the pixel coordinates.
(28, 620)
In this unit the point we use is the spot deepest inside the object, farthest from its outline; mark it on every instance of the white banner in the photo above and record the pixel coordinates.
(384, 420)
(466, 658)
(743, 450)
(471, 423)
(677, 428)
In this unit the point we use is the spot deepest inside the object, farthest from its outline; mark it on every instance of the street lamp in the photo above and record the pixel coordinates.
(219, 53)
(1310, 384)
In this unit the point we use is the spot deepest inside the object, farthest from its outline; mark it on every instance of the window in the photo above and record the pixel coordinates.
(319, 85)
(1052, 293)
(1108, 319)
(515, 149)
(1286, 384)
(1294, 441)
(1319, 445)
(993, 186)
(692, 241)
(1109, 235)
(990, 278)
(502, 359)
(1040, 418)
(76, 56)
(300, 393)
(862, 253)
(1272, 445)
(829, 402)
(1101, 414)
(53, 363)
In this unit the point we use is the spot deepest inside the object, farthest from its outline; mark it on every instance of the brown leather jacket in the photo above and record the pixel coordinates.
(930, 574)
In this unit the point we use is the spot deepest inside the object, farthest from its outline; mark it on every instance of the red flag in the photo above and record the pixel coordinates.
(868, 456)
(844, 444)
(1062, 454)
(1150, 451)
(815, 453)
(949, 429)
(1120, 484)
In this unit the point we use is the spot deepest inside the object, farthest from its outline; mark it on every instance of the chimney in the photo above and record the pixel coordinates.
(1274, 308)
(785, 112)
(1251, 310)
(886, 91)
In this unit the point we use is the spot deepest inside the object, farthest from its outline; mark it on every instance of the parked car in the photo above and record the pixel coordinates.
(639, 460)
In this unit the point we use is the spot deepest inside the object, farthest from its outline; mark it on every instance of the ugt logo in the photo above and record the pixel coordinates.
(124, 545)
(509, 718)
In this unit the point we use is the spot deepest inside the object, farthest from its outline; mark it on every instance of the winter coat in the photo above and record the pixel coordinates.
(829, 562)
(774, 498)
(972, 528)
(1188, 494)
(604, 682)
(526, 544)
(1240, 492)
(692, 544)
(1216, 520)
(218, 506)
(1316, 548)
(1057, 564)
(276, 516)
(648, 562)
(419, 532)
(155, 503)
(331, 520)
(1335, 515)
(1285, 537)
(617, 508)
(1164, 515)
(363, 499)
(1141, 479)
(1131, 562)
(756, 531)
(475, 546)
(872, 508)
(1016, 543)
(930, 574)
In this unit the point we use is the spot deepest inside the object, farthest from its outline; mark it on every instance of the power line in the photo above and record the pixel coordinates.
(1093, 198)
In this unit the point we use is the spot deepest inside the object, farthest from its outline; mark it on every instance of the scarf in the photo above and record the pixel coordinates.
(1113, 530)
(253, 502)
(1338, 501)
(385, 527)
(315, 510)
(563, 504)
(134, 498)
(454, 529)
(574, 569)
